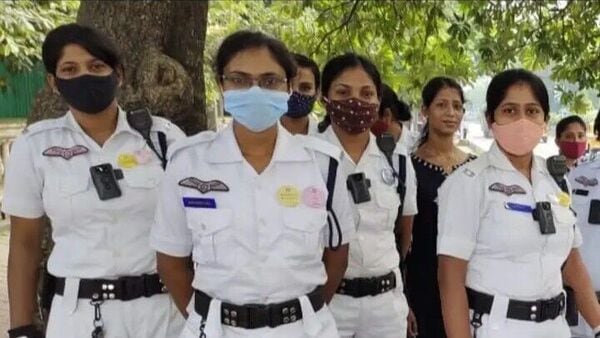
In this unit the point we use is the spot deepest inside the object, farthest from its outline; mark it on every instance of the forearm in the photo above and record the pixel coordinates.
(336, 263)
(405, 232)
(177, 276)
(577, 277)
(23, 274)
(455, 307)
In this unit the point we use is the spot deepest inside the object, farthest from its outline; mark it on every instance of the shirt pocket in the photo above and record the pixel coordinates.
(381, 212)
(65, 198)
(564, 221)
(143, 178)
(212, 231)
(300, 240)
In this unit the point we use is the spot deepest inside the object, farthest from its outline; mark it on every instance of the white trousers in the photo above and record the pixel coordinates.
(505, 328)
(313, 324)
(583, 330)
(381, 316)
(153, 317)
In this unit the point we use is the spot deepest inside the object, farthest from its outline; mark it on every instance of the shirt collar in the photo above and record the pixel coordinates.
(371, 150)
(498, 159)
(288, 148)
(122, 124)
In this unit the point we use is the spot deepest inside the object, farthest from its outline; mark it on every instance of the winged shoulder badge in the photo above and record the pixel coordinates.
(508, 190)
(66, 153)
(586, 182)
(203, 186)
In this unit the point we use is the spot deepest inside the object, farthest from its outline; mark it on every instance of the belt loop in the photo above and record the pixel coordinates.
(70, 295)
(498, 312)
(312, 325)
(213, 327)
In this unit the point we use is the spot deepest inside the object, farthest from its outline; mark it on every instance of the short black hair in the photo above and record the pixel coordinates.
(244, 40)
(336, 66)
(306, 62)
(562, 125)
(88, 38)
(500, 84)
(400, 109)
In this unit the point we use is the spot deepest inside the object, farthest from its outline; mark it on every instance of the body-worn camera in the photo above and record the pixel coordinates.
(594, 216)
(105, 181)
(543, 214)
(359, 186)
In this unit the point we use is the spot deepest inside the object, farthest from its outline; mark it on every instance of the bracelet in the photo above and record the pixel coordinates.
(25, 331)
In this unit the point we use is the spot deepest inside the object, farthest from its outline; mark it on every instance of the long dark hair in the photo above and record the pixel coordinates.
(430, 91)
(337, 66)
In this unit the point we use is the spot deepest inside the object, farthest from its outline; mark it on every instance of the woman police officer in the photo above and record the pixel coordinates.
(96, 178)
(506, 231)
(255, 206)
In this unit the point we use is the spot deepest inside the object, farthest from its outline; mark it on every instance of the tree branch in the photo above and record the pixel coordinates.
(342, 25)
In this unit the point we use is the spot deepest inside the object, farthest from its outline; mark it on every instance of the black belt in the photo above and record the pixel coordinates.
(362, 287)
(124, 288)
(254, 316)
(536, 311)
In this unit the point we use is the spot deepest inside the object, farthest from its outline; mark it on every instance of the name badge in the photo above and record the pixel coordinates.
(204, 203)
(518, 207)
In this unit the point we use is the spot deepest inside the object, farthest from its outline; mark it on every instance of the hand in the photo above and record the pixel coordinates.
(412, 330)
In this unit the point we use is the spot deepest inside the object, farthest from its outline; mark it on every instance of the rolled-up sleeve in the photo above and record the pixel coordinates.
(458, 217)
(170, 234)
(23, 184)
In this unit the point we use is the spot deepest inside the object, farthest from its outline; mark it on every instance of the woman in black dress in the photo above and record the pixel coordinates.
(434, 159)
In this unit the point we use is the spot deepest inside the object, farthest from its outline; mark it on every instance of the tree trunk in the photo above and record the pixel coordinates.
(162, 44)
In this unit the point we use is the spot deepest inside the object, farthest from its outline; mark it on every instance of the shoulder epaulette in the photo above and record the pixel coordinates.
(322, 146)
(202, 137)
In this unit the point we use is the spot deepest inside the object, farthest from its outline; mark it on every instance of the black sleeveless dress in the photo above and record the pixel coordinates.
(421, 263)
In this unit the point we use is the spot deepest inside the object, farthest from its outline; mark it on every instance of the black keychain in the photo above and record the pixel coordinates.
(359, 186)
(98, 331)
(543, 214)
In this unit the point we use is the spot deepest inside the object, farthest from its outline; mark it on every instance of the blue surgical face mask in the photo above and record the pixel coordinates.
(256, 109)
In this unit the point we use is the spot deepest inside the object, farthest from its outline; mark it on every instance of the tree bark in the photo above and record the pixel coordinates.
(162, 45)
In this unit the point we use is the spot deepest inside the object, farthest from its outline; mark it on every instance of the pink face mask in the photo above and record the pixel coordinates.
(518, 137)
(572, 149)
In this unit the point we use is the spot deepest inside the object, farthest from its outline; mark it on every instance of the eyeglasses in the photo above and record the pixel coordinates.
(238, 81)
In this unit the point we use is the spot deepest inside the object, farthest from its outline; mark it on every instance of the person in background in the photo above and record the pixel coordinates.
(585, 192)
(571, 139)
(392, 113)
(370, 300)
(96, 177)
(305, 86)
(435, 158)
(507, 237)
(264, 214)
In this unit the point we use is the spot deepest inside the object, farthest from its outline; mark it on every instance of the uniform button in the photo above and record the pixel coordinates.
(533, 316)
(533, 308)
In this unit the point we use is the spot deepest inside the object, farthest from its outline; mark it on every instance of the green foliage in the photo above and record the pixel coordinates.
(23, 26)
(412, 41)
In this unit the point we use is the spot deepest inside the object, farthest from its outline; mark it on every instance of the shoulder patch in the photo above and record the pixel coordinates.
(202, 137)
(322, 146)
(44, 125)
(474, 167)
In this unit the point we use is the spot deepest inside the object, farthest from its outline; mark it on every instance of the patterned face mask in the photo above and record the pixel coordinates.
(300, 105)
(352, 115)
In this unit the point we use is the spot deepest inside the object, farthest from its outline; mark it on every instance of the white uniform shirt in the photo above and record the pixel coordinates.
(507, 253)
(313, 125)
(373, 251)
(93, 238)
(254, 238)
(584, 180)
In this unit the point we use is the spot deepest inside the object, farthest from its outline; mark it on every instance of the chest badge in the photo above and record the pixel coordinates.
(203, 186)
(313, 197)
(586, 182)
(507, 190)
(388, 177)
(288, 196)
(66, 153)
(127, 161)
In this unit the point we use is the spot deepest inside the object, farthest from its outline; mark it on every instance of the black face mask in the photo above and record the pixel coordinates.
(89, 94)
